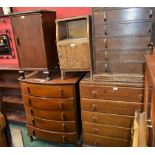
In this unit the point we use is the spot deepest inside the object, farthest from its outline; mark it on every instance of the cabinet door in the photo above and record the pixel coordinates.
(74, 56)
(29, 40)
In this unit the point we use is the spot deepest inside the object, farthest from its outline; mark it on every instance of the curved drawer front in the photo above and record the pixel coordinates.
(51, 115)
(107, 106)
(48, 103)
(59, 126)
(108, 119)
(104, 141)
(55, 91)
(112, 93)
(106, 130)
(52, 136)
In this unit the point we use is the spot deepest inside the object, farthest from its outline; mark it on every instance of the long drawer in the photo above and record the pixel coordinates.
(107, 119)
(52, 136)
(55, 91)
(51, 115)
(112, 93)
(96, 140)
(48, 103)
(59, 126)
(123, 43)
(124, 29)
(109, 106)
(102, 15)
(120, 67)
(107, 130)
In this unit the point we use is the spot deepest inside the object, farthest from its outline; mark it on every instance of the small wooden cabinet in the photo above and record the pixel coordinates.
(52, 108)
(73, 43)
(35, 36)
(107, 111)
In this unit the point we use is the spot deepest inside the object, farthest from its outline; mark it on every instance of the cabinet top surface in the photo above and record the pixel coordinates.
(32, 12)
(40, 78)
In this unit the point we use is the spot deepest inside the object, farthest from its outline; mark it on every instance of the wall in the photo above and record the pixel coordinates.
(61, 13)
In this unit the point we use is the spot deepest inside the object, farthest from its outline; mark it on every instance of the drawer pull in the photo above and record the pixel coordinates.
(29, 102)
(61, 105)
(31, 111)
(61, 92)
(140, 97)
(94, 107)
(33, 122)
(28, 90)
(105, 42)
(95, 143)
(64, 138)
(150, 16)
(33, 132)
(63, 126)
(105, 16)
(106, 55)
(62, 116)
(105, 30)
(72, 45)
(94, 119)
(94, 93)
(95, 131)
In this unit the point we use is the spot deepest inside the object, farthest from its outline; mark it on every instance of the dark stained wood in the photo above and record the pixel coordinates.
(96, 140)
(58, 126)
(107, 119)
(107, 130)
(52, 136)
(39, 27)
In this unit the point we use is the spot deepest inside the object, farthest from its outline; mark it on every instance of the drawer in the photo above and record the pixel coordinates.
(52, 136)
(48, 103)
(107, 130)
(107, 119)
(57, 91)
(133, 67)
(129, 94)
(96, 140)
(51, 115)
(107, 106)
(102, 15)
(59, 126)
(121, 43)
(124, 29)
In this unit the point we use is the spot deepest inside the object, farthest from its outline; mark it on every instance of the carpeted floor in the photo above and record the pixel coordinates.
(36, 142)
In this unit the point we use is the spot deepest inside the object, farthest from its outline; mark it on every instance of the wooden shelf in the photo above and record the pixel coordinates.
(12, 99)
(16, 116)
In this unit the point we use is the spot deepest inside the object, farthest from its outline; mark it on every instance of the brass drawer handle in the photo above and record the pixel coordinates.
(28, 90)
(105, 16)
(33, 133)
(150, 15)
(94, 107)
(105, 30)
(140, 97)
(29, 101)
(62, 116)
(106, 55)
(33, 121)
(61, 93)
(95, 131)
(63, 126)
(94, 93)
(64, 138)
(61, 105)
(94, 119)
(95, 143)
(105, 42)
(31, 111)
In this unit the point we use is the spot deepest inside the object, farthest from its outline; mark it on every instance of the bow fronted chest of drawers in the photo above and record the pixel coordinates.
(52, 108)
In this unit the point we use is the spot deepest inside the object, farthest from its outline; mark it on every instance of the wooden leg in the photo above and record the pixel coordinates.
(21, 74)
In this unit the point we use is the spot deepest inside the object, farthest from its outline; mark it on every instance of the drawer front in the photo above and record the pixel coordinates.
(96, 140)
(48, 103)
(112, 93)
(107, 119)
(59, 126)
(51, 115)
(122, 43)
(59, 91)
(113, 107)
(124, 29)
(120, 67)
(121, 14)
(74, 56)
(106, 130)
(52, 136)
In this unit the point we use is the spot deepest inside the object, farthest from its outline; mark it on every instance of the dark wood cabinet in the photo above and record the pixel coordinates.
(74, 44)
(35, 37)
(52, 107)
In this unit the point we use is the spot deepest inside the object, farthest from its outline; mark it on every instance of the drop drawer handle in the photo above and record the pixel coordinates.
(94, 119)
(63, 126)
(140, 97)
(95, 143)
(28, 90)
(64, 138)
(31, 111)
(29, 101)
(95, 131)
(94, 93)
(61, 105)
(94, 107)
(62, 116)
(150, 15)
(105, 16)
(33, 133)
(33, 121)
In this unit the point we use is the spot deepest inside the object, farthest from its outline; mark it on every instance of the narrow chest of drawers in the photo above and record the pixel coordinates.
(107, 111)
(52, 108)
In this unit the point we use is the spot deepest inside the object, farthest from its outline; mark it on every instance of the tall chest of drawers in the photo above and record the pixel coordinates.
(107, 111)
(52, 108)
